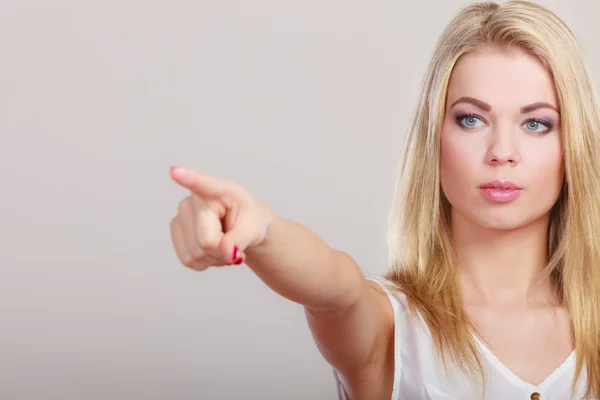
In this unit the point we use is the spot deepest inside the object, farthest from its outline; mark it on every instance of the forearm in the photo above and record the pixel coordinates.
(296, 263)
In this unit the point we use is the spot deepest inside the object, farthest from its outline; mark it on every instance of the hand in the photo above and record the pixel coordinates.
(217, 222)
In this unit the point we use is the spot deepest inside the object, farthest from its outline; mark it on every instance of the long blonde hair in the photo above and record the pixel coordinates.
(423, 264)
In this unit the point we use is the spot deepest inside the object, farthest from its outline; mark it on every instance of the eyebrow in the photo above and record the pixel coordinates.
(486, 107)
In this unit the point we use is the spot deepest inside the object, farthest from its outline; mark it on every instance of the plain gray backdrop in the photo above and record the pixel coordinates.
(304, 103)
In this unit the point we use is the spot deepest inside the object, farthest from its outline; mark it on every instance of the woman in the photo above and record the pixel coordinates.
(494, 259)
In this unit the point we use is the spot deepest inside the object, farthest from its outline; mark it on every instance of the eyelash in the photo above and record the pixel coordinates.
(547, 124)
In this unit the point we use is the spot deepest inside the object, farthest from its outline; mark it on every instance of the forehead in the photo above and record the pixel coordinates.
(502, 79)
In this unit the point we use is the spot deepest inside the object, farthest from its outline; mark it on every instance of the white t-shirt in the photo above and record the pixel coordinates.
(419, 373)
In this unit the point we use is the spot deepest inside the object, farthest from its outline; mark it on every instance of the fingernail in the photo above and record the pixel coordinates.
(239, 261)
(236, 254)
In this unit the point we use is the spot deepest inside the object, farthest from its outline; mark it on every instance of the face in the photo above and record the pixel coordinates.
(502, 124)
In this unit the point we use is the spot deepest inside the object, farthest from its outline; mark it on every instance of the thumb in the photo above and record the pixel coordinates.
(235, 242)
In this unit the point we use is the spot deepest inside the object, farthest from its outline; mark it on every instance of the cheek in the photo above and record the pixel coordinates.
(456, 166)
(547, 168)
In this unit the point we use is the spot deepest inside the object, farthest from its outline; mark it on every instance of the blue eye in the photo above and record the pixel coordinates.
(533, 125)
(468, 121)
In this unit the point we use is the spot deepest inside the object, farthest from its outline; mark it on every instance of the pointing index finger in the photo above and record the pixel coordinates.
(201, 184)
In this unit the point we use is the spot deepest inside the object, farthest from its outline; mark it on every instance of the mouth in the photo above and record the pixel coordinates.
(500, 185)
(500, 192)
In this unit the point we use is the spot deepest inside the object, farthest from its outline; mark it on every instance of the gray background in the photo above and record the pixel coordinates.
(302, 102)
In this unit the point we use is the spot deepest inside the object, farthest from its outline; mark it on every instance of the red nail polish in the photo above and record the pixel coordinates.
(236, 254)
(239, 261)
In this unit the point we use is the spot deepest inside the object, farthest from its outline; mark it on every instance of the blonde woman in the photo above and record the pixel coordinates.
(493, 289)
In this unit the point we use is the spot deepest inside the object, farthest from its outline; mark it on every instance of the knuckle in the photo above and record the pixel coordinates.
(197, 254)
(199, 266)
(183, 206)
(207, 232)
(198, 202)
(209, 245)
(187, 261)
(195, 267)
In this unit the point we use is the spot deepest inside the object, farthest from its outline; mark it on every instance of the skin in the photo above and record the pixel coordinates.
(501, 247)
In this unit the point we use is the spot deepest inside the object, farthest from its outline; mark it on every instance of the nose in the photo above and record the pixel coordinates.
(503, 147)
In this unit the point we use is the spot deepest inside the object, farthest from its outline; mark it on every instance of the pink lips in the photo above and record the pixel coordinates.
(501, 192)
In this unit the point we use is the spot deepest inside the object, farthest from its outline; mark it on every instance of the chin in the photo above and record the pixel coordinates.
(504, 218)
(507, 220)
(504, 224)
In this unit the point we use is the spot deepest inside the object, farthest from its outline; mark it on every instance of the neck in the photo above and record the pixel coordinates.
(499, 266)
